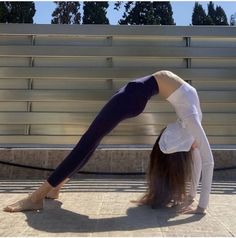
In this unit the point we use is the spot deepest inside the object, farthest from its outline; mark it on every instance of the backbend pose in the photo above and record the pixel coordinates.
(169, 164)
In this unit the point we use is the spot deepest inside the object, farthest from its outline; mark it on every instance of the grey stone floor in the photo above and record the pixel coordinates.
(100, 206)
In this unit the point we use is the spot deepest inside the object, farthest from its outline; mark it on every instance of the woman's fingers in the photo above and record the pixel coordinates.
(192, 210)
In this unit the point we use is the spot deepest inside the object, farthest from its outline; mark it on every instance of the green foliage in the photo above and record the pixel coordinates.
(215, 16)
(221, 18)
(142, 13)
(211, 13)
(146, 13)
(17, 12)
(164, 11)
(3, 12)
(199, 16)
(66, 13)
(95, 13)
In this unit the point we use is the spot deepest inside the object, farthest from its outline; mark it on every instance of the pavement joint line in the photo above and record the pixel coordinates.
(225, 227)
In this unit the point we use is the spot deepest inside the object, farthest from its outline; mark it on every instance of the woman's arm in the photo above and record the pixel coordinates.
(193, 125)
(196, 171)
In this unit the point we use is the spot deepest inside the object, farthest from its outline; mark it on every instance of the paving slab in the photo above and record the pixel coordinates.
(101, 206)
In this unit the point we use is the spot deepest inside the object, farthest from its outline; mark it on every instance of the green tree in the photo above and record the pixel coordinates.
(214, 17)
(66, 13)
(211, 13)
(199, 16)
(163, 10)
(95, 13)
(137, 13)
(217, 16)
(221, 18)
(17, 12)
(146, 13)
(3, 12)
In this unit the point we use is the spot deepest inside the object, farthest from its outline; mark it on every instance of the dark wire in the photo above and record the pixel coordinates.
(79, 172)
(97, 173)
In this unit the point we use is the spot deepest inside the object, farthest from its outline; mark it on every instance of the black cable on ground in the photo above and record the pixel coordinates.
(80, 172)
(95, 173)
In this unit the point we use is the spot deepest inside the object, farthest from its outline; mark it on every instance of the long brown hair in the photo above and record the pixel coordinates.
(167, 176)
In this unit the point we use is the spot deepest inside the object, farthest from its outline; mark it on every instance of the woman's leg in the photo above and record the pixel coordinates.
(128, 102)
(54, 193)
(103, 123)
(77, 158)
(122, 105)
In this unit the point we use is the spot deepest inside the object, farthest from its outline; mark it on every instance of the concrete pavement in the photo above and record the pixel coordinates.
(100, 206)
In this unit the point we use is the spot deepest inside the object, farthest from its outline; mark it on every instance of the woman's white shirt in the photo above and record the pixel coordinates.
(188, 127)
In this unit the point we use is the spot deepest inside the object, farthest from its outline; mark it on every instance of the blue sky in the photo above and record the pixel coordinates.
(182, 11)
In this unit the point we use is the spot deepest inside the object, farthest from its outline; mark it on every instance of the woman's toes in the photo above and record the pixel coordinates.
(25, 204)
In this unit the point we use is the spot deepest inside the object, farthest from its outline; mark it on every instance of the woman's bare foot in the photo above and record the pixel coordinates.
(35, 200)
(25, 204)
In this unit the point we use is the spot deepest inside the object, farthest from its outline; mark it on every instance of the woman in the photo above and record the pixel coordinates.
(168, 172)
(128, 102)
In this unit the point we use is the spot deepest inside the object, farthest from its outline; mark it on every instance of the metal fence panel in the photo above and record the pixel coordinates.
(54, 79)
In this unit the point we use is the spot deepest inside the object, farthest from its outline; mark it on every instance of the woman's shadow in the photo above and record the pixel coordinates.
(55, 219)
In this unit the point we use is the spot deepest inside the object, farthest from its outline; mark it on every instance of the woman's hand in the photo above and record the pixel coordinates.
(189, 200)
(194, 145)
(192, 210)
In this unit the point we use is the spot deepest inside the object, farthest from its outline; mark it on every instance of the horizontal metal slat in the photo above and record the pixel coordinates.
(114, 73)
(13, 106)
(223, 85)
(76, 84)
(85, 118)
(153, 105)
(107, 140)
(217, 96)
(95, 106)
(75, 118)
(218, 107)
(108, 30)
(81, 129)
(13, 83)
(55, 95)
(12, 129)
(116, 51)
(120, 130)
(100, 95)
(223, 130)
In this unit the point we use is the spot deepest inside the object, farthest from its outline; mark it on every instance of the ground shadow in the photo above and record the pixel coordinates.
(55, 219)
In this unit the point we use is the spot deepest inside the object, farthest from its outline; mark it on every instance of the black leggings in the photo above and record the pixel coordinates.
(127, 102)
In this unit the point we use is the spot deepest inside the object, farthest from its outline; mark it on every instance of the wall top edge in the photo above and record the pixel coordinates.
(117, 30)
